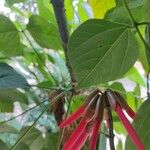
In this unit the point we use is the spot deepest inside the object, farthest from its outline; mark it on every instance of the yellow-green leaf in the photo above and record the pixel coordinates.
(100, 7)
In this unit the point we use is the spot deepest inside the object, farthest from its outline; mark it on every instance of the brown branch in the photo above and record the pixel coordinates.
(111, 133)
(58, 6)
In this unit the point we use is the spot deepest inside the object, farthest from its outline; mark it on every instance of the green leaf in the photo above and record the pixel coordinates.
(9, 38)
(4, 128)
(141, 125)
(116, 86)
(119, 145)
(8, 97)
(46, 84)
(11, 2)
(52, 141)
(22, 146)
(100, 7)
(147, 38)
(82, 11)
(69, 9)
(139, 9)
(101, 51)
(135, 76)
(9, 78)
(46, 10)
(3, 146)
(44, 32)
(33, 139)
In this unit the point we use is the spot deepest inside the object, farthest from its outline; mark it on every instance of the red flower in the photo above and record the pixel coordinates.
(117, 103)
(91, 116)
(88, 127)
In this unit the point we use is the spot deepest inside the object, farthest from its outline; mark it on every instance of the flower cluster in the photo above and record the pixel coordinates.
(91, 114)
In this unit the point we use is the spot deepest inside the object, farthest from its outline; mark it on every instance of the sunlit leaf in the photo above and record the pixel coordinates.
(134, 75)
(45, 10)
(100, 7)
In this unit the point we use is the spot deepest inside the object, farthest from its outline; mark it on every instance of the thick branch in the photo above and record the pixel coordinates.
(58, 6)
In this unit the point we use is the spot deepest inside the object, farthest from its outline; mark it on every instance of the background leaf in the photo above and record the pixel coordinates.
(9, 38)
(44, 32)
(3, 146)
(100, 7)
(11, 2)
(141, 125)
(9, 78)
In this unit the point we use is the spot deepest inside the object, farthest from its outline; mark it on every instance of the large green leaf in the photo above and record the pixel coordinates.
(101, 51)
(44, 32)
(9, 38)
(9, 78)
(142, 126)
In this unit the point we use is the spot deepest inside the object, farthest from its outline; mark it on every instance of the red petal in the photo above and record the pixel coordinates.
(130, 112)
(73, 138)
(73, 117)
(132, 133)
(80, 141)
(94, 136)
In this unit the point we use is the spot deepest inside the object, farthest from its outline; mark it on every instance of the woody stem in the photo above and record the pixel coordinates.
(111, 133)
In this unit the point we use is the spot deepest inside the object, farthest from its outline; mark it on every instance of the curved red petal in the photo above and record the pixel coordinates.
(73, 117)
(130, 112)
(94, 136)
(132, 133)
(80, 141)
(77, 132)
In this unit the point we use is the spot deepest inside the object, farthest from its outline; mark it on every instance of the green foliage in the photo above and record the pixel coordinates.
(3, 146)
(11, 2)
(101, 51)
(101, 7)
(141, 125)
(93, 54)
(8, 97)
(34, 139)
(9, 78)
(44, 32)
(138, 8)
(9, 38)
(4, 128)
